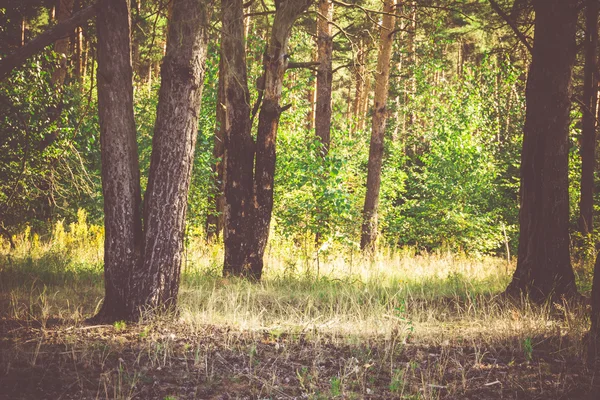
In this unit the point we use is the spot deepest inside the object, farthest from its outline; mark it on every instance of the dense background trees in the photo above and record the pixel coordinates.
(294, 94)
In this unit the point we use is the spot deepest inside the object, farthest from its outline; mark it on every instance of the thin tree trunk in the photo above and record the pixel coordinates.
(23, 26)
(359, 78)
(239, 146)
(365, 99)
(412, 46)
(588, 121)
(120, 170)
(61, 46)
(324, 74)
(156, 284)
(312, 104)
(369, 226)
(544, 266)
(217, 199)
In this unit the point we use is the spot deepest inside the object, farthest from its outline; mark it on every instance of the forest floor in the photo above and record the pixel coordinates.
(402, 326)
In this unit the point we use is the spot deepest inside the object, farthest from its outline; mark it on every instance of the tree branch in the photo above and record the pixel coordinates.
(308, 64)
(512, 24)
(58, 31)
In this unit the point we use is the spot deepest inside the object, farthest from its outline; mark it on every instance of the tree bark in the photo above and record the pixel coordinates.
(10, 62)
(369, 226)
(214, 220)
(274, 63)
(588, 121)
(239, 146)
(120, 170)
(324, 74)
(544, 268)
(156, 283)
(249, 184)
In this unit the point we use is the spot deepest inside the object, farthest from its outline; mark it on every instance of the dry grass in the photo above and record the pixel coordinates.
(400, 325)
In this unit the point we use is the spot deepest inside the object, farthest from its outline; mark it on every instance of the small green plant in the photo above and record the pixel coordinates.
(528, 348)
(144, 333)
(120, 326)
(170, 398)
(336, 386)
(397, 382)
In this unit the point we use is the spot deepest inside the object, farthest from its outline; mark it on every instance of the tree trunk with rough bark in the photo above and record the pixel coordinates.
(120, 170)
(156, 282)
(324, 74)
(544, 267)
(239, 146)
(275, 63)
(249, 183)
(588, 121)
(142, 264)
(369, 226)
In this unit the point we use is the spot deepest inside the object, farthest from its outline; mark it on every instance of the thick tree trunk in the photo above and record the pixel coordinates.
(239, 146)
(214, 221)
(120, 171)
(324, 74)
(544, 267)
(249, 185)
(156, 283)
(369, 226)
(8, 63)
(61, 46)
(588, 121)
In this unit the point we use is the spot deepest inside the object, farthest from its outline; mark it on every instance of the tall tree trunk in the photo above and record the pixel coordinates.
(412, 50)
(156, 283)
(120, 170)
(369, 226)
(399, 113)
(61, 46)
(588, 121)
(275, 63)
(239, 146)
(544, 267)
(324, 74)
(217, 198)
(249, 195)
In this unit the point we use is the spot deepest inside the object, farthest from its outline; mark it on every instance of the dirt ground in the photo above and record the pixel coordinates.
(169, 361)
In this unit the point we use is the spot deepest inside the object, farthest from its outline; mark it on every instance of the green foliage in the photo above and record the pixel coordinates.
(336, 386)
(49, 153)
(312, 192)
(444, 185)
(528, 348)
(120, 326)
